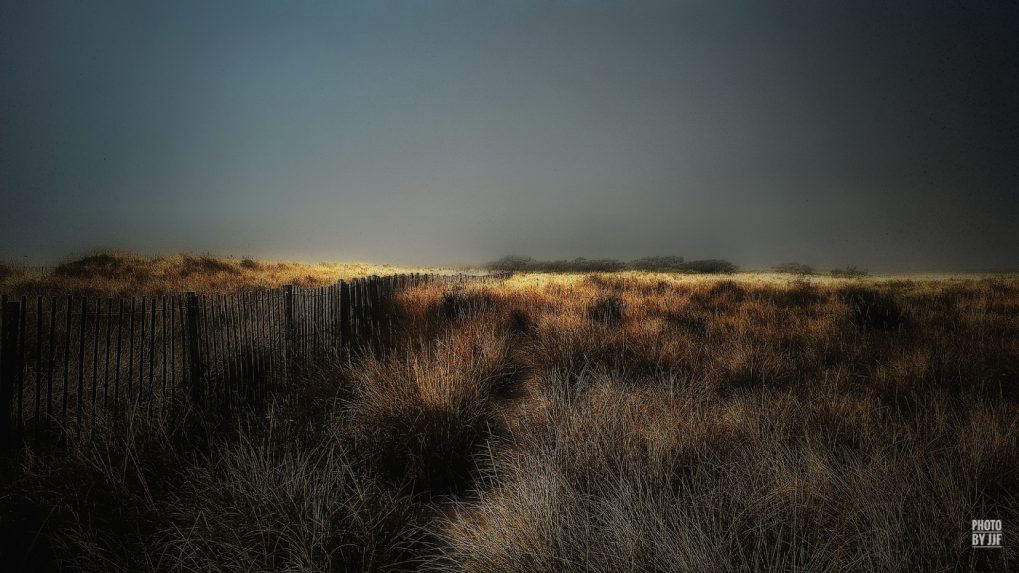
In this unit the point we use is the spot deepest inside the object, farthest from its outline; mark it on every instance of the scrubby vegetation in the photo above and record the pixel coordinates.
(605, 422)
(582, 265)
(120, 274)
(794, 269)
(849, 272)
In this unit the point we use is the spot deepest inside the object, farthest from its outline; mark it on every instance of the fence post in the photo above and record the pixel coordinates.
(194, 347)
(390, 290)
(344, 314)
(288, 317)
(356, 302)
(10, 362)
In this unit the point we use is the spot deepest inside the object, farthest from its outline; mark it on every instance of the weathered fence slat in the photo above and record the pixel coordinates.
(21, 360)
(219, 303)
(97, 329)
(50, 366)
(230, 367)
(106, 360)
(152, 350)
(38, 365)
(344, 314)
(193, 344)
(67, 359)
(130, 352)
(78, 421)
(162, 380)
(142, 331)
(10, 365)
(116, 371)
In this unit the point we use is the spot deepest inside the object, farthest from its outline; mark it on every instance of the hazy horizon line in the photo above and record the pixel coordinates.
(819, 268)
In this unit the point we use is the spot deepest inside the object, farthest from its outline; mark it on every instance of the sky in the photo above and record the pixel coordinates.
(882, 134)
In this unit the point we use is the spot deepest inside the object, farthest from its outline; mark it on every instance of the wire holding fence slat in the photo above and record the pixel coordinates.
(67, 361)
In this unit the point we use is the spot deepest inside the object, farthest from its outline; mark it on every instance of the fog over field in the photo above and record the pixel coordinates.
(871, 133)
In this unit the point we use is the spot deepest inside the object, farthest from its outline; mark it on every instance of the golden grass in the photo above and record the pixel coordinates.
(608, 422)
(119, 274)
(669, 422)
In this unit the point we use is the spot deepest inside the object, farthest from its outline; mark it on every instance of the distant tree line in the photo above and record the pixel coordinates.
(849, 272)
(581, 265)
(666, 264)
(793, 269)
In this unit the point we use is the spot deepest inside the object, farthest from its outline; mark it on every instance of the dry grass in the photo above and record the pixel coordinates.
(608, 422)
(120, 274)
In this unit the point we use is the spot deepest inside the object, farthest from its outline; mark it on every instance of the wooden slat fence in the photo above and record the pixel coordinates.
(66, 360)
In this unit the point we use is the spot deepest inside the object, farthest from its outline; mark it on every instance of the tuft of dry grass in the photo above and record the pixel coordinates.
(422, 416)
(261, 504)
(664, 477)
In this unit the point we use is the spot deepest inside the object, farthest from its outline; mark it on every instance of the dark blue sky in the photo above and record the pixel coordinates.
(884, 134)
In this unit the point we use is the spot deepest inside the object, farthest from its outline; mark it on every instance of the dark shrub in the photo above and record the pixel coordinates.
(581, 265)
(577, 265)
(598, 265)
(656, 264)
(709, 266)
(850, 272)
(793, 269)
(607, 310)
(511, 263)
